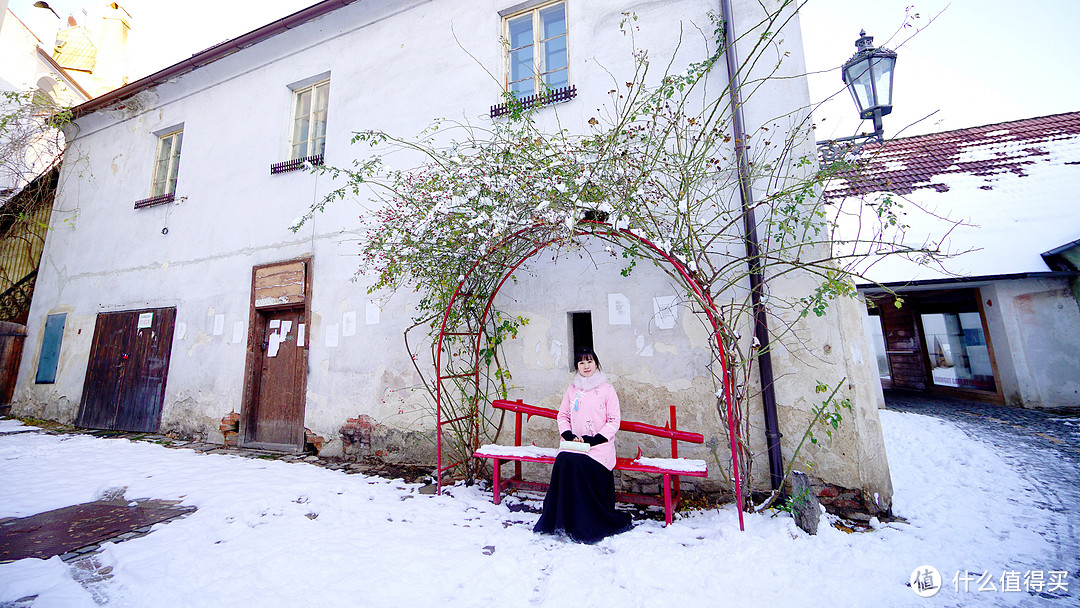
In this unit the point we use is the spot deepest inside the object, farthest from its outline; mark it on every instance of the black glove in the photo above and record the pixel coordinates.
(596, 439)
(568, 435)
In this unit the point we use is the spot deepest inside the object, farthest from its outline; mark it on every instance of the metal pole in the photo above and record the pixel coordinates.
(753, 253)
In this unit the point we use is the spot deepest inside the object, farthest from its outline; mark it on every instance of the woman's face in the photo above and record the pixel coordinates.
(587, 366)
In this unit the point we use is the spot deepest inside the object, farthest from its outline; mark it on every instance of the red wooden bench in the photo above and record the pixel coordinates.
(670, 468)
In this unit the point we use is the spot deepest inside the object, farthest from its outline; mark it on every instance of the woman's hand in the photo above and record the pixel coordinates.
(596, 439)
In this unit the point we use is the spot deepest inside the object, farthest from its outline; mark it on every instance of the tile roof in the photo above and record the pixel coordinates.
(1002, 193)
(902, 166)
(74, 49)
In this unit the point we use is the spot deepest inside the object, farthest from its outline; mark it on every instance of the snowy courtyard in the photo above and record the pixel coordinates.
(268, 533)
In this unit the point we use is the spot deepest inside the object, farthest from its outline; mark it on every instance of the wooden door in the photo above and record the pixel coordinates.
(129, 364)
(276, 414)
(903, 344)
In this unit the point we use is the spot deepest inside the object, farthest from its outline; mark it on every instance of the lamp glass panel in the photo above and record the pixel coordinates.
(882, 72)
(860, 84)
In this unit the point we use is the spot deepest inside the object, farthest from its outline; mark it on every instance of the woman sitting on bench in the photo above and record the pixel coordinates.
(580, 501)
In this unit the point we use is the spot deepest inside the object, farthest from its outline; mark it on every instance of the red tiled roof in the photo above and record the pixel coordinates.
(903, 166)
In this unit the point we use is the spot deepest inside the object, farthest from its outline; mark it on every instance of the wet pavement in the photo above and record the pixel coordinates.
(1044, 448)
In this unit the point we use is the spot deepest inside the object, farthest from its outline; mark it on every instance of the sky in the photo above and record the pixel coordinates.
(273, 533)
(961, 63)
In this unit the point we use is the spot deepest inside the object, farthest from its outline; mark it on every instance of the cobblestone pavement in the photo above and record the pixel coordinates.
(1045, 449)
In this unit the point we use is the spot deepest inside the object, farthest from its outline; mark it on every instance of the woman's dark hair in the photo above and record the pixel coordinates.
(586, 352)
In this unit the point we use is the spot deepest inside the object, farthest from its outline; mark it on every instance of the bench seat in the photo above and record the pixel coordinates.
(668, 468)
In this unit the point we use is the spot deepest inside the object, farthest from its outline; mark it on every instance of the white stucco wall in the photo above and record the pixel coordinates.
(1033, 328)
(394, 66)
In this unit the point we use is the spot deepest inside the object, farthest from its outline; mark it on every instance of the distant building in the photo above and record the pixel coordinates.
(86, 53)
(1000, 323)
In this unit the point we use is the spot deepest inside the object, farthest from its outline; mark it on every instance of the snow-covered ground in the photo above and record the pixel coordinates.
(270, 533)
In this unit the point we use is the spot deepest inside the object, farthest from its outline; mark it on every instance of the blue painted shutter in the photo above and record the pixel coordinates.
(50, 348)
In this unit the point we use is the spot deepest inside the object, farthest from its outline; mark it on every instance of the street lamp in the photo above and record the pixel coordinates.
(868, 75)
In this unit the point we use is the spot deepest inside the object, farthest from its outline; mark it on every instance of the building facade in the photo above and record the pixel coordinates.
(174, 296)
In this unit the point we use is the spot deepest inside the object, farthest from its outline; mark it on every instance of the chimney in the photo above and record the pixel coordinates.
(112, 61)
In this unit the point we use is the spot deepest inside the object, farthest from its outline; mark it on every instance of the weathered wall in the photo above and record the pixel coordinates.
(231, 215)
(1033, 327)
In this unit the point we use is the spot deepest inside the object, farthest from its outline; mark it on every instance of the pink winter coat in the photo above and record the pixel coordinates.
(590, 406)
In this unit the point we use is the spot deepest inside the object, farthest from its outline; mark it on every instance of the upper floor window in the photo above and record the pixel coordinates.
(166, 167)
(309, 120)
(167, 163)
(536, 50)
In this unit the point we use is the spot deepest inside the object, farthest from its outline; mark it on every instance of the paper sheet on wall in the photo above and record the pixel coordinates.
(276, 323)
(618, 309)
(331, 336)
(272, 344)
(301, 333)
(219, 324)
(665, 311)
(146, 319)
(348, 323)
(643, 350)
(237, 332)
(371, 314)
(556, 352)
(181, 330)
(286, 327)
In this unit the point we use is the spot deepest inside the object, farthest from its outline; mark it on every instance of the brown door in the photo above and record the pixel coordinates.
(12, 336)
(903, 344)
(128, 367)
(276, 415)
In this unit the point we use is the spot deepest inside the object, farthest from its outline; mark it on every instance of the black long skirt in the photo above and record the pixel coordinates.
(581, 501)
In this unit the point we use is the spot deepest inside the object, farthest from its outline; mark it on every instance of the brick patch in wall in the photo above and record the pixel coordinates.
(847, 503)
(312, 442)
(356, 434)
(230, 428)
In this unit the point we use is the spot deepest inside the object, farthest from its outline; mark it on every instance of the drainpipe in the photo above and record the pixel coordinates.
(753, 249)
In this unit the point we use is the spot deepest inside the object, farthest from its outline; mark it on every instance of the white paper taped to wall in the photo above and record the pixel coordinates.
(237, 332)
(301, 332)
(274, 342)
(618, 309)
(665, 311)
(146, 319)
(276, 323)
(348, 323)
(219, 324)
(371, 313)
(331, 336)
(643, 350)
(286, 327)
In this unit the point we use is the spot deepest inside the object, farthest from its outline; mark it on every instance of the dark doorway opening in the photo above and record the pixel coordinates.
(581, 334)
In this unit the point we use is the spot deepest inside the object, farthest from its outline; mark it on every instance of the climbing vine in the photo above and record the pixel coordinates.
(658, 162)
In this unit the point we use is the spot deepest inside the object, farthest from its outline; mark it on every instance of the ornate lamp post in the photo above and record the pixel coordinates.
(869, 78)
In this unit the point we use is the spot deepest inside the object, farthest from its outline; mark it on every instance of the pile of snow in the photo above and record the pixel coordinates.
(270, 533)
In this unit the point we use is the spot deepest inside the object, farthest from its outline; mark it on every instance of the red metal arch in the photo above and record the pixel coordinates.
(585, 228)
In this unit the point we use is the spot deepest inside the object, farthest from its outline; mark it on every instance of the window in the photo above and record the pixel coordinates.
(166, 167)
(167, 164)
(309, 120)
(536, 50)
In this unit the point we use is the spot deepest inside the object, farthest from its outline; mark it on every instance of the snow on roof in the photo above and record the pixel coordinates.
(1015, 183)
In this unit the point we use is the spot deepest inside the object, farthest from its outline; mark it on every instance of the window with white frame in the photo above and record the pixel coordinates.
(167, 163)
(309, 120)
(536, 49)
